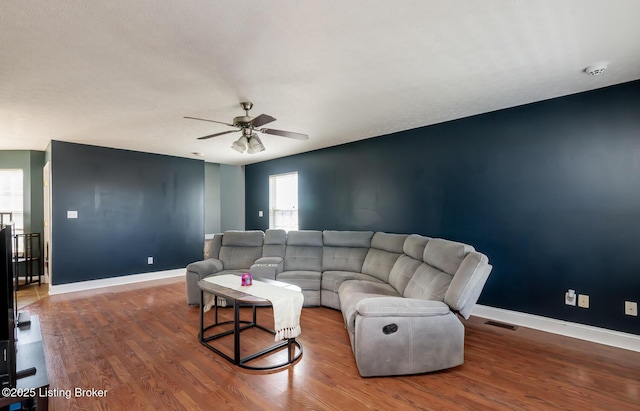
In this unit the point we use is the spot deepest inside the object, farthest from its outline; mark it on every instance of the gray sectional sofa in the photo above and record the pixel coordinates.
(400, 295)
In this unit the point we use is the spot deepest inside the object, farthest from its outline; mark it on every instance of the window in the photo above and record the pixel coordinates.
(11, 199)
(283, 201)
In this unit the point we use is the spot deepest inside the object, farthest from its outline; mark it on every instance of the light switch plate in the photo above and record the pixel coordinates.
(72, 214)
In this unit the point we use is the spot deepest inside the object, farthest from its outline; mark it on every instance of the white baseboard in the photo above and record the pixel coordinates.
(113, 281)
(566, 328)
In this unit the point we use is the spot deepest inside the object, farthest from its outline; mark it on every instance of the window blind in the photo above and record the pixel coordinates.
(11, 198)
(283, 201)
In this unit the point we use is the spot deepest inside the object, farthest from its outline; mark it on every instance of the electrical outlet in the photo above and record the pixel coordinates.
(570, 297)
(631, 308)
(583, 301)
(260, 214)
(149, 260)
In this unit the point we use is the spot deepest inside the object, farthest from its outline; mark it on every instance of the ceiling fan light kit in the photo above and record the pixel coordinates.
(248, 125)
(255, 145)
(240, 145)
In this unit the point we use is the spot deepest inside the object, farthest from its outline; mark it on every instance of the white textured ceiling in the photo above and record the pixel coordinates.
(123, 73)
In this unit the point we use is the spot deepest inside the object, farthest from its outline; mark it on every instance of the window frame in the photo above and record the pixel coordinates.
(8, 196)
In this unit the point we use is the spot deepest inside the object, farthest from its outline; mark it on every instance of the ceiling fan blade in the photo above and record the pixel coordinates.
(210, 121)
(218, 134)
(261, 120)
(297, 136)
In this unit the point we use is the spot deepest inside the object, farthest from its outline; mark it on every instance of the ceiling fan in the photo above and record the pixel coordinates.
(248, 125)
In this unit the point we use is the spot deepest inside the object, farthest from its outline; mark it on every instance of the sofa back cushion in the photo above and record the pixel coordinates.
(345, 250)
(407, 264)
(240, 249)
(414, 246)
(442, 258)
(467, 283)
(274, 243)
(303, 251)
(383, 254)
(445, 255)
(212, 246)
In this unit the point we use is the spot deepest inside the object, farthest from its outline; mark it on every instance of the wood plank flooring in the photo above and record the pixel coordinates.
(139, 342)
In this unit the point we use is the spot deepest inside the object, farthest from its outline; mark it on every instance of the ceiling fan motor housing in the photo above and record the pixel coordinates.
(242, 121)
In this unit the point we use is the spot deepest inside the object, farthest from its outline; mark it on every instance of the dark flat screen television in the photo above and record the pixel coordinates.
(7, 311)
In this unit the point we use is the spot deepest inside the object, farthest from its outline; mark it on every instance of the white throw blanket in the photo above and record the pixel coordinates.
(287, 303)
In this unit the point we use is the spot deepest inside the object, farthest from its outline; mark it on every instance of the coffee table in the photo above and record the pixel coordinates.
(243, 299)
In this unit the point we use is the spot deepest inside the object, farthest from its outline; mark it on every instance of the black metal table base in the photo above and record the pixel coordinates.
(238, 327)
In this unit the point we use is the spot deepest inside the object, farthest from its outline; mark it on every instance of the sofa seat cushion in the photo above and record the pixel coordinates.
(331, 280)
(306, 280)
(353, 291)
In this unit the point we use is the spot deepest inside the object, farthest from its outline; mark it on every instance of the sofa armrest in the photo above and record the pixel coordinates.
(206, 267)
(267, 267)
(196, 272)
(401, 307)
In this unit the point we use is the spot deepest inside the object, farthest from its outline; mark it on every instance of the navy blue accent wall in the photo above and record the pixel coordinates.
(549, 191)
(130, 206)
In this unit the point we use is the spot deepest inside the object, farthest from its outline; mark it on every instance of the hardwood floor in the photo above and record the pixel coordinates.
(139, 342)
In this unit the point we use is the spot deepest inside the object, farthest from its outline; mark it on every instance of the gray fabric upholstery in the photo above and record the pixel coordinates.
(274, 243)
(352, 292)
(275, 236)
(441, 261)
(358, 239)
(196, 272)
(303, 251)
(235, 258)
(235, 238)
(414, 246)
(402, 272)
(240, 249)
(267, 267)
(393, 243)
(309, 238)
(428, 283)
(205, 267)
(445, 255)
(407, 264)
(308, 281)
(467, 283)
(343, 258)
(431, 341)
(303, 264)
(212, 246)
(398, 293)
(331, 281)
(383, 254)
